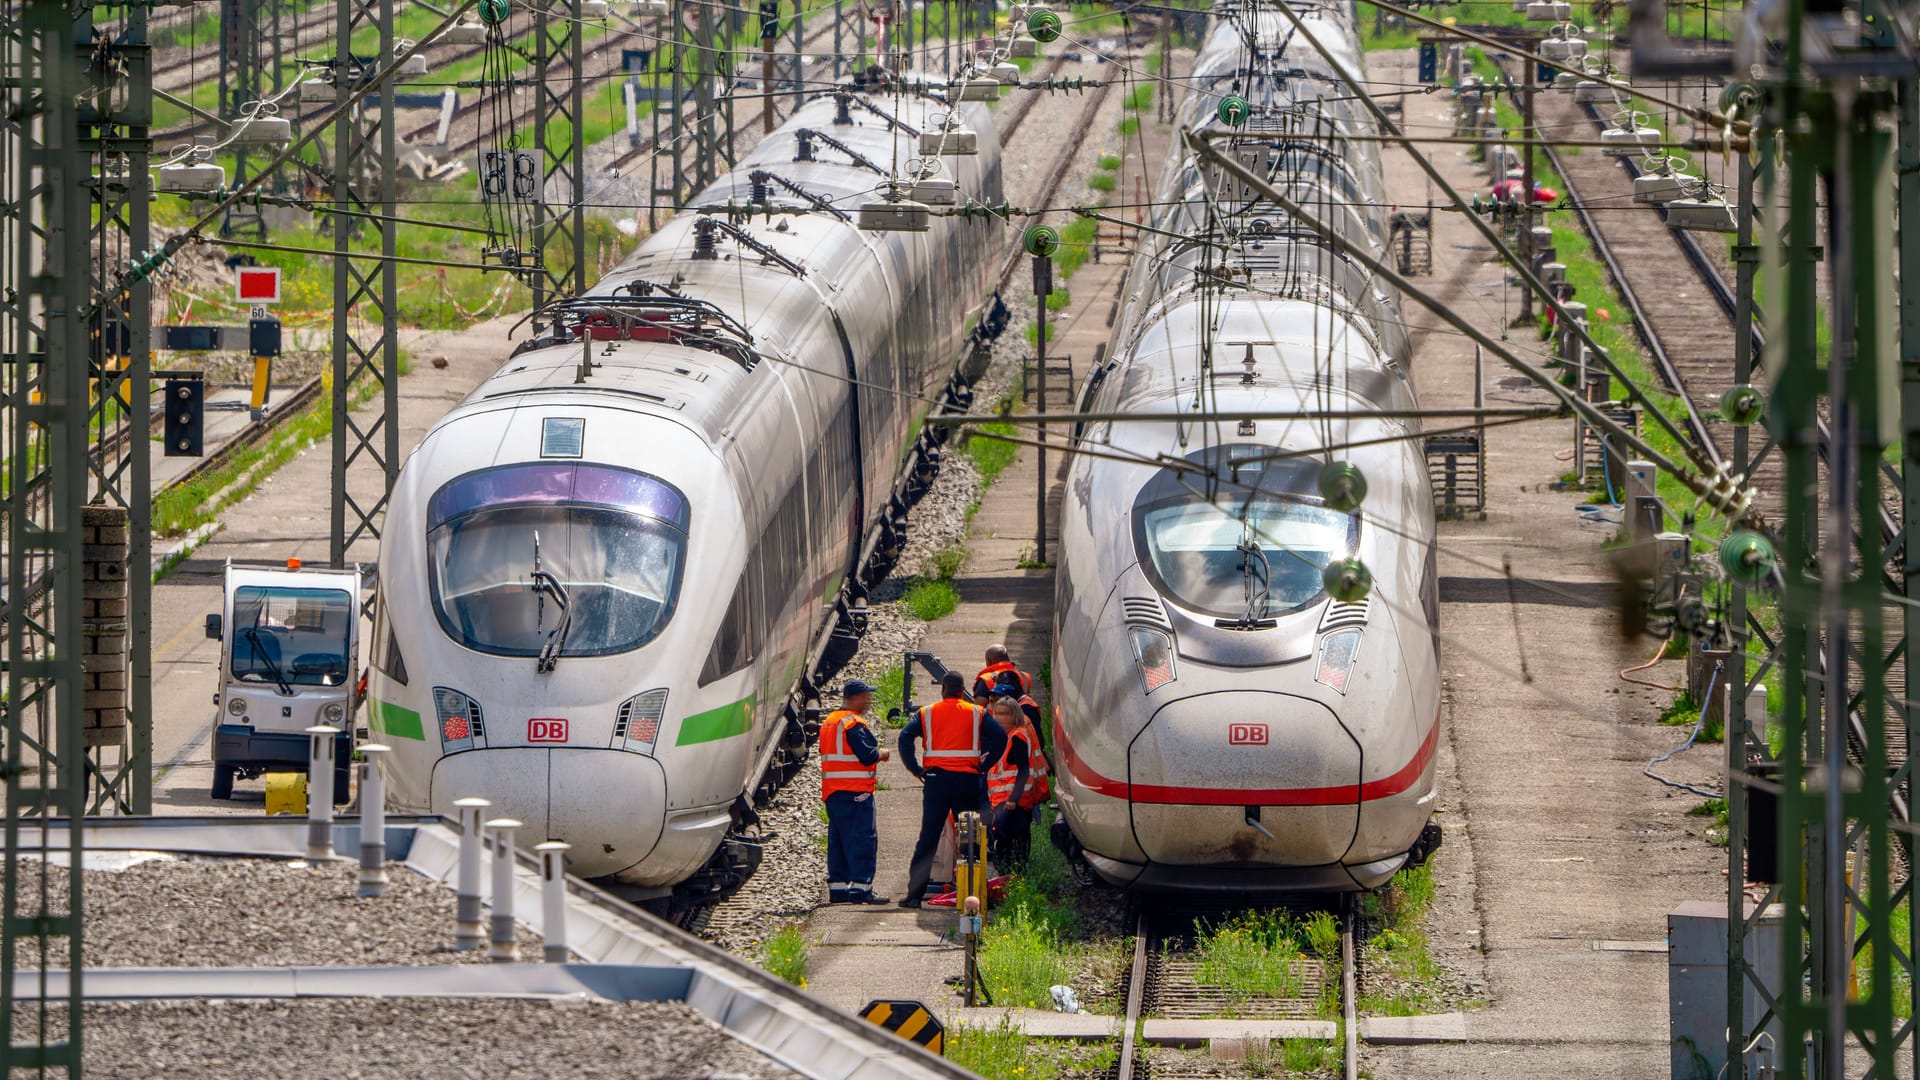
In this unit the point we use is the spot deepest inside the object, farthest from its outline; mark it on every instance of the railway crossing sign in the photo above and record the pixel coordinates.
(910, 1020)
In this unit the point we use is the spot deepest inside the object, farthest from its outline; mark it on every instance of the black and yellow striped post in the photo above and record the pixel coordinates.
(910, 1020)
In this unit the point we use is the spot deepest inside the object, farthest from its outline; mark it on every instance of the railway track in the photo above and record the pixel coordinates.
(1644, 258)
(1165, 980)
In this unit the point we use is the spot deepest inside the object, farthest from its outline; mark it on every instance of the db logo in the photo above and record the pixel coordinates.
(554, 729)
(1243, 734)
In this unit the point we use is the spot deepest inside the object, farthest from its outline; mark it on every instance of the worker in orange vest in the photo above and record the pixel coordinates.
(1016, 784)
(958, 741)
(850, 756)
(1009, 681)
(999, 665)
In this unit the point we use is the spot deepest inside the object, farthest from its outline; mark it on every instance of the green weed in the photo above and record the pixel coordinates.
(991, 455)
(1397, 959)
(1110, 162)
(1252, 955)
(1717, 810)
(1058, 299)
(931, 600)
(1129, 125)
(948, 561)
(1140, 100)
(1685, 712)
(785, 955)
(888, 693)
(1004, 1052)
(1021, 957)
(1102, 181)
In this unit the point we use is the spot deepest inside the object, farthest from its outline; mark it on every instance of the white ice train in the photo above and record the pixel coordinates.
(611, 576)
(1221, 723)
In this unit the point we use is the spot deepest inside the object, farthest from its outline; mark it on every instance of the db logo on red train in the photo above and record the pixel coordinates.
(1246, 734)
(554, 729)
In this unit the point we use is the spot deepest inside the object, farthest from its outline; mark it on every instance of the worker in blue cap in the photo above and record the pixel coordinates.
(850, 758)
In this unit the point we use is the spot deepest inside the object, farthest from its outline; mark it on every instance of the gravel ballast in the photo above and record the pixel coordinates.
(209, 912)
(410, 1037)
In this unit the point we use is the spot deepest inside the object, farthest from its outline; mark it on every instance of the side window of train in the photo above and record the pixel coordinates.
(733, 646)
(386, 645)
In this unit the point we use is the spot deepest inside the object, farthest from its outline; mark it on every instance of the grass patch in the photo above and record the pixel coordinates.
(948, 561)
(888, 693)
(1110, 162)
(785, 955)
(1004, 1052)
(1253, 954)
(1717, 810)
(931, 600)
(992, 454)
(1102, 182)
(1683, 711)
(1295, 1057)
(1023, 956)
(1140, 100)
(1129, 125)
(1046, 886)
(1058, 299)
(1400, 967)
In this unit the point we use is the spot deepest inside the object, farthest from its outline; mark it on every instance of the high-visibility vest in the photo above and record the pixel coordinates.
(1003, 775)
(840, 767)
(950, 733)
(991, 672)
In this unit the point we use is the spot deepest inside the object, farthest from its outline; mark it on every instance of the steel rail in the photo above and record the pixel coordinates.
(1136, 995)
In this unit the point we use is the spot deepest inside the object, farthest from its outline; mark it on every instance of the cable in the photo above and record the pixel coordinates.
(1699, 722)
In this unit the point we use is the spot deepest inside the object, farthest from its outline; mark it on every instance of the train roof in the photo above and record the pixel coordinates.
(762, 275)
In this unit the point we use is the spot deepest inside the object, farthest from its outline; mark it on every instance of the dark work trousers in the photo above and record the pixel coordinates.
(853, 843)
(945, 793)
(1012, 839)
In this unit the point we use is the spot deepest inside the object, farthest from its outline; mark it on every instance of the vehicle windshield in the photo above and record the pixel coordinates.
(289, 637)
(583, 557)
(1236, 553)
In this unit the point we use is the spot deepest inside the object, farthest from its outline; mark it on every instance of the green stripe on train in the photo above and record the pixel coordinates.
(722, 723)
(392, 720)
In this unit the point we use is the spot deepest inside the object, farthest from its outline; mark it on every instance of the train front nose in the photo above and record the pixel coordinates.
(609, 804)
(1244, 778)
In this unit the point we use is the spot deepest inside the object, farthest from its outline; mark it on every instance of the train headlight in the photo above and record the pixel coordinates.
(460, 724)
(638, 724)
(1337, 653)
(236, 705)
(334, 713)
(1154, 651)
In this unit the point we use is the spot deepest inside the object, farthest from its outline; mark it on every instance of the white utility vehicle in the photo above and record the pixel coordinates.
(289, 659)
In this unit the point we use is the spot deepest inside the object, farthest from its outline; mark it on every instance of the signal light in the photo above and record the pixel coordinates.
(185, 426)
(460, 723)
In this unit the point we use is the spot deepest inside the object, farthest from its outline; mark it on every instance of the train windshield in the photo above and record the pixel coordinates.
(1236, 553)
(556, 559)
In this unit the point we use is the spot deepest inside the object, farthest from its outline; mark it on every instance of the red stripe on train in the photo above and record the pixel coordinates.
(1338, 795)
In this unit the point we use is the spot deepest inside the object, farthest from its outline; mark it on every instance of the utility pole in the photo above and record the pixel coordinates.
(698, 148)
(365, 288)
(1739, 725)
(1908, 172)
(1042, 288)
(559, 233)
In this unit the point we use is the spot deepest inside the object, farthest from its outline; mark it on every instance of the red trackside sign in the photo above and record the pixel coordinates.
(256, 284)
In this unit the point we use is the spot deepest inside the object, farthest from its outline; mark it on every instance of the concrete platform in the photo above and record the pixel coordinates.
(1413, 1030)
(1039, 1023)
(1197, 1032)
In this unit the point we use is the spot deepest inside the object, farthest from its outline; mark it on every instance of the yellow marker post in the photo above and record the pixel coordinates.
(286, 793)
(262, 374)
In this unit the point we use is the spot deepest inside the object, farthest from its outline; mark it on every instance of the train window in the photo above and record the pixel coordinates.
(522, 553)
(386, 644)
(733, 647)
(1234, 553)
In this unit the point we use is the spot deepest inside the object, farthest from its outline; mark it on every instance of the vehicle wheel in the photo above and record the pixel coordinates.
(223, 781)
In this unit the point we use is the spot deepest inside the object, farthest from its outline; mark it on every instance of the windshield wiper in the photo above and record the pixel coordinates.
(1257, 581)
(546, 584)
(260, 654)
